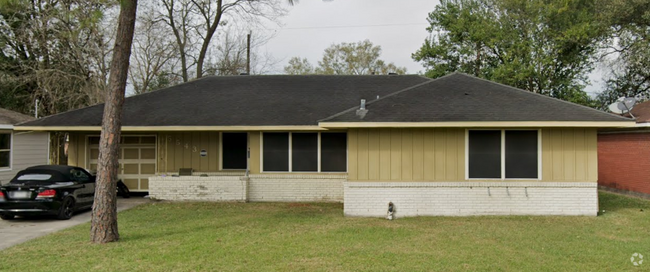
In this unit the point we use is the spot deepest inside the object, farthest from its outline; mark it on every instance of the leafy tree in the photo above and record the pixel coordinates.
(52, 51)
(361, 58)
(544, 47)
(629, 44)
(299, 66)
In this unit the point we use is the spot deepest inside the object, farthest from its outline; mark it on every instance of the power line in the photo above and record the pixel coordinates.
(345, 26)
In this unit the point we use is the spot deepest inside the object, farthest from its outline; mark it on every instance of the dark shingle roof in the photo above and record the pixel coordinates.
(460, 97)
(281, 100)
(243, 101)
(8, 117)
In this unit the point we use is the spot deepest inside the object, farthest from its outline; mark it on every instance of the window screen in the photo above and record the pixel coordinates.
(304, 152)
(521, 154)
(235, 147)
(333, 152)
(5, 149)
(276, 151)
(484, 153)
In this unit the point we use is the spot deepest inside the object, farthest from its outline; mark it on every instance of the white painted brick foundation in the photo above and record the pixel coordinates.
(211, 188)
(296, 188)
(470, 198)
(261, 188)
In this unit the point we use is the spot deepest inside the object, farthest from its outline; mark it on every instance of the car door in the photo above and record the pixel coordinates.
(86, 193)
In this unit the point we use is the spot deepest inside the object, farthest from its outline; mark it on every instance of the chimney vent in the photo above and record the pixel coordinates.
(362, 111)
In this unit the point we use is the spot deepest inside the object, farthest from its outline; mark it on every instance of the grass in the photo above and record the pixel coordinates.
(316, 237)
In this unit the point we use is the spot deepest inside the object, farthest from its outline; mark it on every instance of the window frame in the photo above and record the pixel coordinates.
(503, 154)
(10, 150)
(289, 150)
(248, 139)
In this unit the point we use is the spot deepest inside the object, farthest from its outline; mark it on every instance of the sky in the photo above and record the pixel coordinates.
(310, 26)
(399, 27)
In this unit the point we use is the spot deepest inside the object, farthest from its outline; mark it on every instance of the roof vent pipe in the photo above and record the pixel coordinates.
(362, 111)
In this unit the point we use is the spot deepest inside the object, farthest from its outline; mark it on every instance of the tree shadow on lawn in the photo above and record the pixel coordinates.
(616, 202)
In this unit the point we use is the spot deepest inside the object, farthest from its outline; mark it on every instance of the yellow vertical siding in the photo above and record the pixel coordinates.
(569, 154)
(429, 154)
(384, 154)
(418, 154)
(406, 154)
(183, 150)
(438, 154)
(255, 150)
(373, 155)
(395, 154)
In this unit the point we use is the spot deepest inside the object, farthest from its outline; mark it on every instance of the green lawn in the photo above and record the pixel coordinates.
(305, 237)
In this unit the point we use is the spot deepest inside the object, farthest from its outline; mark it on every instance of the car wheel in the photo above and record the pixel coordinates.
(7, 216)
(66, 210)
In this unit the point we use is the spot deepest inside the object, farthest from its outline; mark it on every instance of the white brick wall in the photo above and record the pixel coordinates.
(470, 198)
(270, 188)
(212, 188)
(296, 188)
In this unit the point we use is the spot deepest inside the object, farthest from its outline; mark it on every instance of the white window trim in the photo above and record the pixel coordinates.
(503, 155)
(221, 151)
(11, 152)
(319, 170)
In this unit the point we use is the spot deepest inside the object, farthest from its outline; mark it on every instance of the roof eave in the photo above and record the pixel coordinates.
(172, 128)
(481, 124)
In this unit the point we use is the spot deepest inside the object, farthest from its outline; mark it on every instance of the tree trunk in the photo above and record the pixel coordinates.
(208, 37)
(103, 228)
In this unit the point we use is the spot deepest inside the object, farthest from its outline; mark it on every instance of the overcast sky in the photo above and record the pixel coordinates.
(310, 26)
(399, 27)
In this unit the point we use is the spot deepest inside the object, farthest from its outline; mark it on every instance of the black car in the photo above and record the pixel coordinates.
(47, 190)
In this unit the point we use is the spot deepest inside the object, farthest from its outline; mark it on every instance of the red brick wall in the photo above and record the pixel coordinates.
(624, 161)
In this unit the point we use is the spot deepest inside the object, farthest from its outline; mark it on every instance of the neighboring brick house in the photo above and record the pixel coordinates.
(624, 155)
(455, 145)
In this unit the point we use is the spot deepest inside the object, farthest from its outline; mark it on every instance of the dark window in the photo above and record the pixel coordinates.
(93, 140)
(5, 150)
(304, 152)
(484, 153)
(235, 149)
(521, 154)
(276, 151)
(333, 152)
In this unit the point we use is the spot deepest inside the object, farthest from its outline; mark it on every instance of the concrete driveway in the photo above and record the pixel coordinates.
(20, 230)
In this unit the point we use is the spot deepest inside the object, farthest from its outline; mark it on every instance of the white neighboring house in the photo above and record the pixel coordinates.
(19, 150)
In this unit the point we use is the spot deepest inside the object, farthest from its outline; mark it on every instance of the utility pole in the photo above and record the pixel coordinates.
(248, 53)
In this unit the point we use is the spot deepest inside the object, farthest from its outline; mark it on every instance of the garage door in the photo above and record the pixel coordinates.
(137, 160)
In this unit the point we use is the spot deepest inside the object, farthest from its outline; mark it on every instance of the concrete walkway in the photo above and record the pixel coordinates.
(20, 230)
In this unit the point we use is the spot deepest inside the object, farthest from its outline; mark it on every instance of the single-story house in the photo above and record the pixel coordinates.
(624, 155)
(456, 145)
(20, 149)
